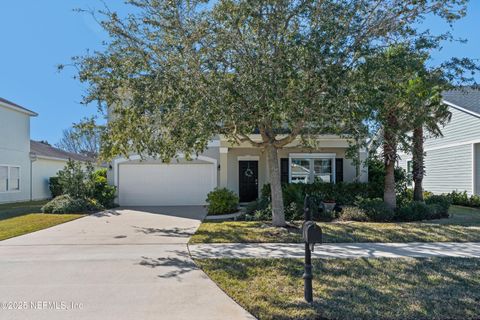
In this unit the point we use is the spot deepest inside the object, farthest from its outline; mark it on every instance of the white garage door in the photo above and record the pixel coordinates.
(165, 184)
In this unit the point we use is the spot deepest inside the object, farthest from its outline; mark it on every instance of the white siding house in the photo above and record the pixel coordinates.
(15, 162)
(452, 162)
(46, 162)
(25, 165)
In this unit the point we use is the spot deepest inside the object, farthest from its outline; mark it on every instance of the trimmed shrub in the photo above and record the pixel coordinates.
(342, 193)
(66, 204)
(436, 211)
(459, 198)
(474, 201)
(444, 203)
(55, 187)
(351, 213)
(222, 201)
(413, 211)
(100, 190)
(375, 209)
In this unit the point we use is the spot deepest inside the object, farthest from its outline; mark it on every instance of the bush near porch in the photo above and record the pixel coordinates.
(222, 201)
(362, 198)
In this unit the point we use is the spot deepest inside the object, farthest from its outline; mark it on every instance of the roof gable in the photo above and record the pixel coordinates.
(466, 99)
(9, 104)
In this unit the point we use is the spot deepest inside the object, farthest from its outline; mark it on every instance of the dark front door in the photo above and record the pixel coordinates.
(248, 180)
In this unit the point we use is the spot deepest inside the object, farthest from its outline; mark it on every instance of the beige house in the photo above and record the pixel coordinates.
(240, 168)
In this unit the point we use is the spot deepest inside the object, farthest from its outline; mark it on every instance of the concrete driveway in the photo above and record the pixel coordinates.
(129, 263)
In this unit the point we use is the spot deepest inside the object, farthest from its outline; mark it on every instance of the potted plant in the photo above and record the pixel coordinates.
(329, 204)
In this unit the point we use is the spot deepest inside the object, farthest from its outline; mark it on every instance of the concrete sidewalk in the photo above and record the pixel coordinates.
(339, 250)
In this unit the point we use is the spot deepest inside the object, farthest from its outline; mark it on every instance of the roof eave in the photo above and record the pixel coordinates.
(453, 105)
(22, 110)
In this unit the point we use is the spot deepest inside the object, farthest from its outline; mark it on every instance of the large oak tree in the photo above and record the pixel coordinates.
(176, 73)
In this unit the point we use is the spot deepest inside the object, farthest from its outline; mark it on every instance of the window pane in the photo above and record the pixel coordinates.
(14, 178)
(300, 170)
(3, 178)
(323, 170)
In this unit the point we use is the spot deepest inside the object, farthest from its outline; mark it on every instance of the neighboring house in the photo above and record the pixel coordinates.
(240, 168)
(46, 162)
(25, 165)
(452, 162)
(15, 162)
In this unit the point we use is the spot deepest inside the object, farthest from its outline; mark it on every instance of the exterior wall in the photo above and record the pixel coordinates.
(232, 166)
(15, 149)
(449, 169)
(228, 156)
(477, 168)
(229, 177)
(449, 160)
(42, 170)
(462, 129)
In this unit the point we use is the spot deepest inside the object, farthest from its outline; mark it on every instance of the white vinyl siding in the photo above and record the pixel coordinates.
(3, 178)
(449, 169)
(14, 152)
(477, 168)
(463, 128)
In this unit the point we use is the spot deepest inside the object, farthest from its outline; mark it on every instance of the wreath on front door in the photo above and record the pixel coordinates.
(248, 173)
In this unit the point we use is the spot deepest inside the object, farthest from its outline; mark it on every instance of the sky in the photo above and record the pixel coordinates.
(36, 36)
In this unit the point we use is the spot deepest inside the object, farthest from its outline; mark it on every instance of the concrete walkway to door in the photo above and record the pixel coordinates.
(129, 263)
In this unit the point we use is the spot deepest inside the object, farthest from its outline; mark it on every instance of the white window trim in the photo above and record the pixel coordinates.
(8, 178)
(331, 156)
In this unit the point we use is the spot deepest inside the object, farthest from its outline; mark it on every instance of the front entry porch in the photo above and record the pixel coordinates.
(244, 170)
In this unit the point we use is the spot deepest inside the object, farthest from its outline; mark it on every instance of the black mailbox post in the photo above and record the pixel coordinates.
(312, 234)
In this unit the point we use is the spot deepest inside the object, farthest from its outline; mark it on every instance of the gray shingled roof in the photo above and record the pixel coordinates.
(45, 150)
(467, 98)
(17, 106)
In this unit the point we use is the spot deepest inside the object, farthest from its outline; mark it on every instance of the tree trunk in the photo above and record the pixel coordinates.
(389, 195)
(418, 166)
(278, 214)
(389, 155)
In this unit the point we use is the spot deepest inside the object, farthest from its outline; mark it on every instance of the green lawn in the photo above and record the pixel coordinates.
(435, 288)
(8, 210)
(24, 217)
(462, 226)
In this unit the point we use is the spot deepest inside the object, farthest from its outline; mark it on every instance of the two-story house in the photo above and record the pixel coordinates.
(15, 164)
(26, 165)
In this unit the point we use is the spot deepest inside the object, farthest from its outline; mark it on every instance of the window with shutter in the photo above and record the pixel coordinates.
(284, 170)
(339, 169)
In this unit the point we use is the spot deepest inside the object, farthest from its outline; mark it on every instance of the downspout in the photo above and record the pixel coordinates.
(33, 158)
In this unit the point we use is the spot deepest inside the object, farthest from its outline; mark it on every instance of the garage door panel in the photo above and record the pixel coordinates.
(165, 184)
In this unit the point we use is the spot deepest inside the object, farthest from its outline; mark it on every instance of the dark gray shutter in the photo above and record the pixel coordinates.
(338, 170)
(284, 170)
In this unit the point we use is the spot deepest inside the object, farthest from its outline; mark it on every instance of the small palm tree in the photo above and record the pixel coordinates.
(435, 117)
(430, 116)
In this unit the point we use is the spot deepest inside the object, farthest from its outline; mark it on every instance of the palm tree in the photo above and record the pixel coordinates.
(431, 116)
